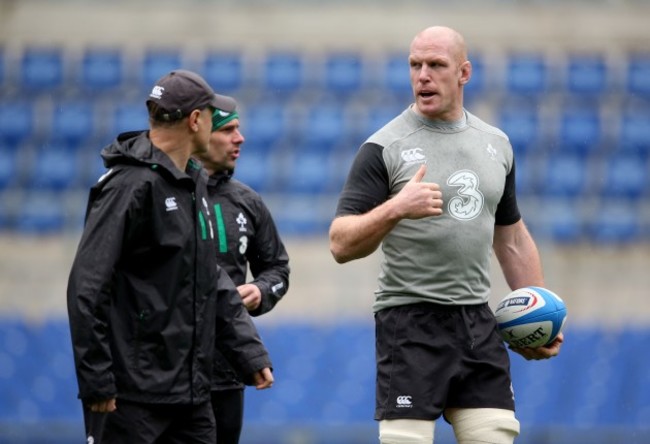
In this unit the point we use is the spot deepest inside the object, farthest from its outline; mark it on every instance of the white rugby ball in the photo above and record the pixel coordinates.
(530, 317)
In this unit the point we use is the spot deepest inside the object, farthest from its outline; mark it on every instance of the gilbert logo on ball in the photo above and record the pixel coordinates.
(530, 317)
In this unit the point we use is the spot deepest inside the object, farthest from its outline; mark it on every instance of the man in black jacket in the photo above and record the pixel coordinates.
(247, 238)
(146, 300)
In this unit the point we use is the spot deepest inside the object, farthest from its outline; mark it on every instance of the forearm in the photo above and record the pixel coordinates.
(357, 236)
(518, 256)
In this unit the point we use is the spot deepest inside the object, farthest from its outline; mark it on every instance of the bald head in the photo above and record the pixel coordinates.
(439, 70)
(442, 36)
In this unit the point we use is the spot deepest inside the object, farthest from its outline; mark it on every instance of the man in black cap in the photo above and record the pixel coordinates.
(146, 299)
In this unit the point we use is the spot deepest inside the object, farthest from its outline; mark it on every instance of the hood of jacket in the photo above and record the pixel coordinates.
(134, 148)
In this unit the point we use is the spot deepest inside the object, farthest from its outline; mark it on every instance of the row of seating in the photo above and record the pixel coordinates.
(572, 149)
(325, 375)
(582, 128)
(561, 205)
(55, 167)
(96, 69)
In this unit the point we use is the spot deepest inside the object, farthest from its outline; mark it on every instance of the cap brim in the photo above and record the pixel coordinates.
(224, 103)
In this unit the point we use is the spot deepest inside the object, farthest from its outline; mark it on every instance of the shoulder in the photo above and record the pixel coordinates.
(242, 189)
(396, 129)
(480, 125)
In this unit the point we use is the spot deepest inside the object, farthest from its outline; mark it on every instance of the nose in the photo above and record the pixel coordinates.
(424, 72)
(240, 137)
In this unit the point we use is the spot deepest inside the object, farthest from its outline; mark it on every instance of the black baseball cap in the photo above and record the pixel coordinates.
(181, 91)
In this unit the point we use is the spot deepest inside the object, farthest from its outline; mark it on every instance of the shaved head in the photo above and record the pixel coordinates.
(444, 36)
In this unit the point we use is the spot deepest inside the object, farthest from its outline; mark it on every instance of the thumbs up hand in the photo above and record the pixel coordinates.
(419, 199)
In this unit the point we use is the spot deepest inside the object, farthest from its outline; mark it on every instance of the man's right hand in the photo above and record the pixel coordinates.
(419, 199)
(103, 406)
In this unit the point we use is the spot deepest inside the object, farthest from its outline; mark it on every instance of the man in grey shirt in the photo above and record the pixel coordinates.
(435, 188)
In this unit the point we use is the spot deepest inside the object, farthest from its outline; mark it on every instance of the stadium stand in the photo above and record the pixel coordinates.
(343, 74)
(292, 101)
(526, 74)
(325, 375)
(577, 119)
(42, 69)
(580, 130)
(100, 69)
(638, 74)
(283, 73)
(17, 120)
(156, 62)
(521, 121)
(587, 74)
(224, 70)
(395, 74)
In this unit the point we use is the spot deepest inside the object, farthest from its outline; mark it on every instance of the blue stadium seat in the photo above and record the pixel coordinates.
(157, 62)
(563, 176)
(128, 116)
(625, 389)
(632, 366)
(8, 167)
(378, 116)
(626, 176)
(560, 220)
(73, 121)
(322, 126)
(527, 74)
(638, 74)
(343, 73)
(3, 67)
(283, 73)
(41, 213)
(55, 167)
(580, 130)
(264, 124)
(634, 131)
(478, 83)
(587, 74)
(584, 376)
(255, 170)
(224, 71)
(526, 174)
(521, 122)
(101, 69)
(619, 224)
(305, 214)
(42, 68)
(339, 165)
(17, 121)
(396, 75)
(310, 172)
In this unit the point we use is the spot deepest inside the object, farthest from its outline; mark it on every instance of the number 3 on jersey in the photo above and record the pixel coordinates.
(468, 202)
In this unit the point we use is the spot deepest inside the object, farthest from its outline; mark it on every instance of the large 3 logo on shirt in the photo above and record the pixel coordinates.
(468, 202)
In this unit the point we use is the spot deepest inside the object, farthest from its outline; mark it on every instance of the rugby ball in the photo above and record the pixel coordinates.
(530, 317)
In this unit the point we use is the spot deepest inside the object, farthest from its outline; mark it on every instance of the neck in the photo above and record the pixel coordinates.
(171, 143)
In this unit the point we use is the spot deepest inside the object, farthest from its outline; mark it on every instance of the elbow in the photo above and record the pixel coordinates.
(339, 254)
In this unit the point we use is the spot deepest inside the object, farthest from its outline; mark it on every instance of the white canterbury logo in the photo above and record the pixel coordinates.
(413, 155)
(157, 92)
(170, 203)
(404, 401)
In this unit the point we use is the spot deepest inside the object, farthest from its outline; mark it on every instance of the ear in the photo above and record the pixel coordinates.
(465, 72)
(193, 120)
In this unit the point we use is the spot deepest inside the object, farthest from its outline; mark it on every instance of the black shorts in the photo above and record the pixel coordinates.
(431, 357)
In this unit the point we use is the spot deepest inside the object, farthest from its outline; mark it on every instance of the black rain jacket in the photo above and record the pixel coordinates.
(246, 237)
(146, 299)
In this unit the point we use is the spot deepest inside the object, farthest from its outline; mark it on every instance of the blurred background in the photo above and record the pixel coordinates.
(569, 81)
